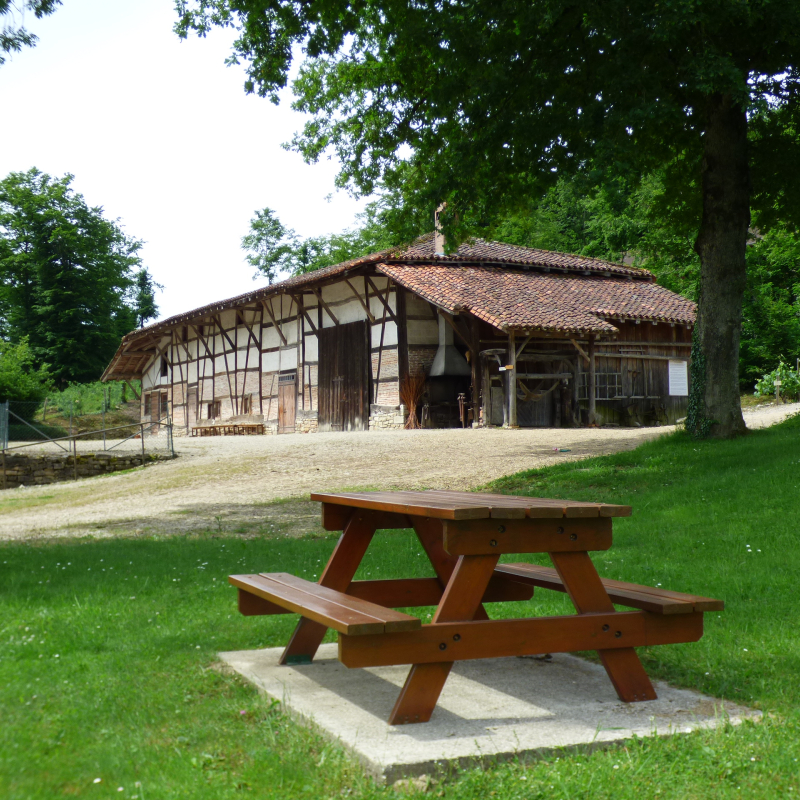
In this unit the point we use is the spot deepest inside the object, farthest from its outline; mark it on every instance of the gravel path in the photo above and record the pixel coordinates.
(229, 482)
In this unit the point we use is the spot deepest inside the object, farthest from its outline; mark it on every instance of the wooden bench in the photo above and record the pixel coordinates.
(234, 429)
(632, 595)
(342, 612)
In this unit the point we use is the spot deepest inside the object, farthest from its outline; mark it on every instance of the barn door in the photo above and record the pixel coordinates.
(287, 402)
(344, 377)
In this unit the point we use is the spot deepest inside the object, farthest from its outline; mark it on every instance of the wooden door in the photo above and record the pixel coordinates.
(344, 377)
(191, 407)
(287, 402)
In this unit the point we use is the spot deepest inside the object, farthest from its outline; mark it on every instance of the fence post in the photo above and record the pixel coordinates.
(4, 468)
(104, 418)
(75, 458)
(142, 424)
(4, 425)
(171, 440)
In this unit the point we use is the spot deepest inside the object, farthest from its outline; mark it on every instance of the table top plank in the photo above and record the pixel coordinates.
(454, 505)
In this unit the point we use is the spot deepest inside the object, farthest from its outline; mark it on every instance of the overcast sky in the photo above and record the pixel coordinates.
(161, 134)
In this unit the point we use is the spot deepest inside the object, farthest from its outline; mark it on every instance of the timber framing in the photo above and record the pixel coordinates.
(550, 339)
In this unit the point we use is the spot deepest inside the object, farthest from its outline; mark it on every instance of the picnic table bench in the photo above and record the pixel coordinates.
(231, 429)
(464, 535)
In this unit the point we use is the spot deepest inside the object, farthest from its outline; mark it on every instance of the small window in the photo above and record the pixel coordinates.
(164, 405)
(164, 367)
(607, 385)
(201, 330)
(214, 409)
(185, 333)
(147, 404)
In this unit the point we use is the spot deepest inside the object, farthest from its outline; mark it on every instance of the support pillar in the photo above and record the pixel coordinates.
(511, 380)
(590, 389)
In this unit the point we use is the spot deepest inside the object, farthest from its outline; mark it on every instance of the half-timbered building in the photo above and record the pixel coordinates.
(504, 335)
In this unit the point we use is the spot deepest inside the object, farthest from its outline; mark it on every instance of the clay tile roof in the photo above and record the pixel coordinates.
(482, 251)
(546, 301)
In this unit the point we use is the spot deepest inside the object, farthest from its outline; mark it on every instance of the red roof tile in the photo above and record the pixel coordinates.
(555, 302)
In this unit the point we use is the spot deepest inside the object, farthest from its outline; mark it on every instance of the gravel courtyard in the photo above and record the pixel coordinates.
(231, 483)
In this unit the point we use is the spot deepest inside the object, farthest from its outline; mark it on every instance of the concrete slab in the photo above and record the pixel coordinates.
(490, 709)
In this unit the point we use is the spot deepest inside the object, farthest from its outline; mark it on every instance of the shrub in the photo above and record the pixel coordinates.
(790, 382)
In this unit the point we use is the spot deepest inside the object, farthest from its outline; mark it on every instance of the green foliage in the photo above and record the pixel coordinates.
(13, 35)
(21, 378)
(789, 378)
(698, 425)
(79, 399)
(66, 273)
(370, 235)
(273, 248)
(269, 246)
(144, 296)
(482, 103)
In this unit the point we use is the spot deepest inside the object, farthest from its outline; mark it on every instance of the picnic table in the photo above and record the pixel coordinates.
(230, 429)
(464, 535)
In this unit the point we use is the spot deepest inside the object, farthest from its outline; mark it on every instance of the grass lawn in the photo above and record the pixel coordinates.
(109, 685)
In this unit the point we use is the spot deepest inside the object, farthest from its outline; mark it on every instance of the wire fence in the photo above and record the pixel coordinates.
(23, 427)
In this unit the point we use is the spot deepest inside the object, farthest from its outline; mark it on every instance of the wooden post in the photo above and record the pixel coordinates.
(590, 389)
(511, 380)
(477, 374)
(486, 392)
(142, 437)
(4, 469)
(75, 458)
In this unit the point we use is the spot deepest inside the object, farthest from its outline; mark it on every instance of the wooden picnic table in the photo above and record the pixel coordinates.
(464, 535)
(230, 429)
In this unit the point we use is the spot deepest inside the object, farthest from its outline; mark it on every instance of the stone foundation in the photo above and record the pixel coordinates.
(382, 418)
(36, 470)
(306, 422)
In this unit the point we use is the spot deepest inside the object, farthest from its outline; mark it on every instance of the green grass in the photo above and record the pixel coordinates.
(107, 648)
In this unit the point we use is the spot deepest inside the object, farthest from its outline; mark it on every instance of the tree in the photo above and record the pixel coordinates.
(369, 236)
(483, 103)
(21, 378)
(144, 296)
(13, 35)
(269, 245)
(65, 275)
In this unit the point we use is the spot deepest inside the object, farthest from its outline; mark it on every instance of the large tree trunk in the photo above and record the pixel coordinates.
(721, 245)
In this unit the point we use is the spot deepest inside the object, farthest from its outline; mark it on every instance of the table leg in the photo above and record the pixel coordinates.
(461, 601)
(430, 535)
(589, 595)
(338, 574)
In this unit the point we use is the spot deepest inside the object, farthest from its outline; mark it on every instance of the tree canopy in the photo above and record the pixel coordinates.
(66, 276)
(483, 103)
(13, 34)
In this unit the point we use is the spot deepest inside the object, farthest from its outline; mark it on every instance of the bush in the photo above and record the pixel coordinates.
(790, 382)
(22, 433)
(20, 378)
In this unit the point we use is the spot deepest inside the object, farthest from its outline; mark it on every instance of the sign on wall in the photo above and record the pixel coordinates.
(678, 378)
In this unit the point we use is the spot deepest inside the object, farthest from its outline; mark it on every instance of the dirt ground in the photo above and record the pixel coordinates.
(232, 483)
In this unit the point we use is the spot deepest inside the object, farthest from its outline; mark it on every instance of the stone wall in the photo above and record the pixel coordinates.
(382, 418)
(36, 470)
(306, 421)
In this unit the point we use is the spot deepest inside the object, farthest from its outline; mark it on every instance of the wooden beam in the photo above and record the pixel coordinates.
(353, 289)
(133, 389)
(318, 293)
(583, 353)
(380, 297)
(523, 345)
(590, 392)
(511, 381)
(268, 309)
(451, 322)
